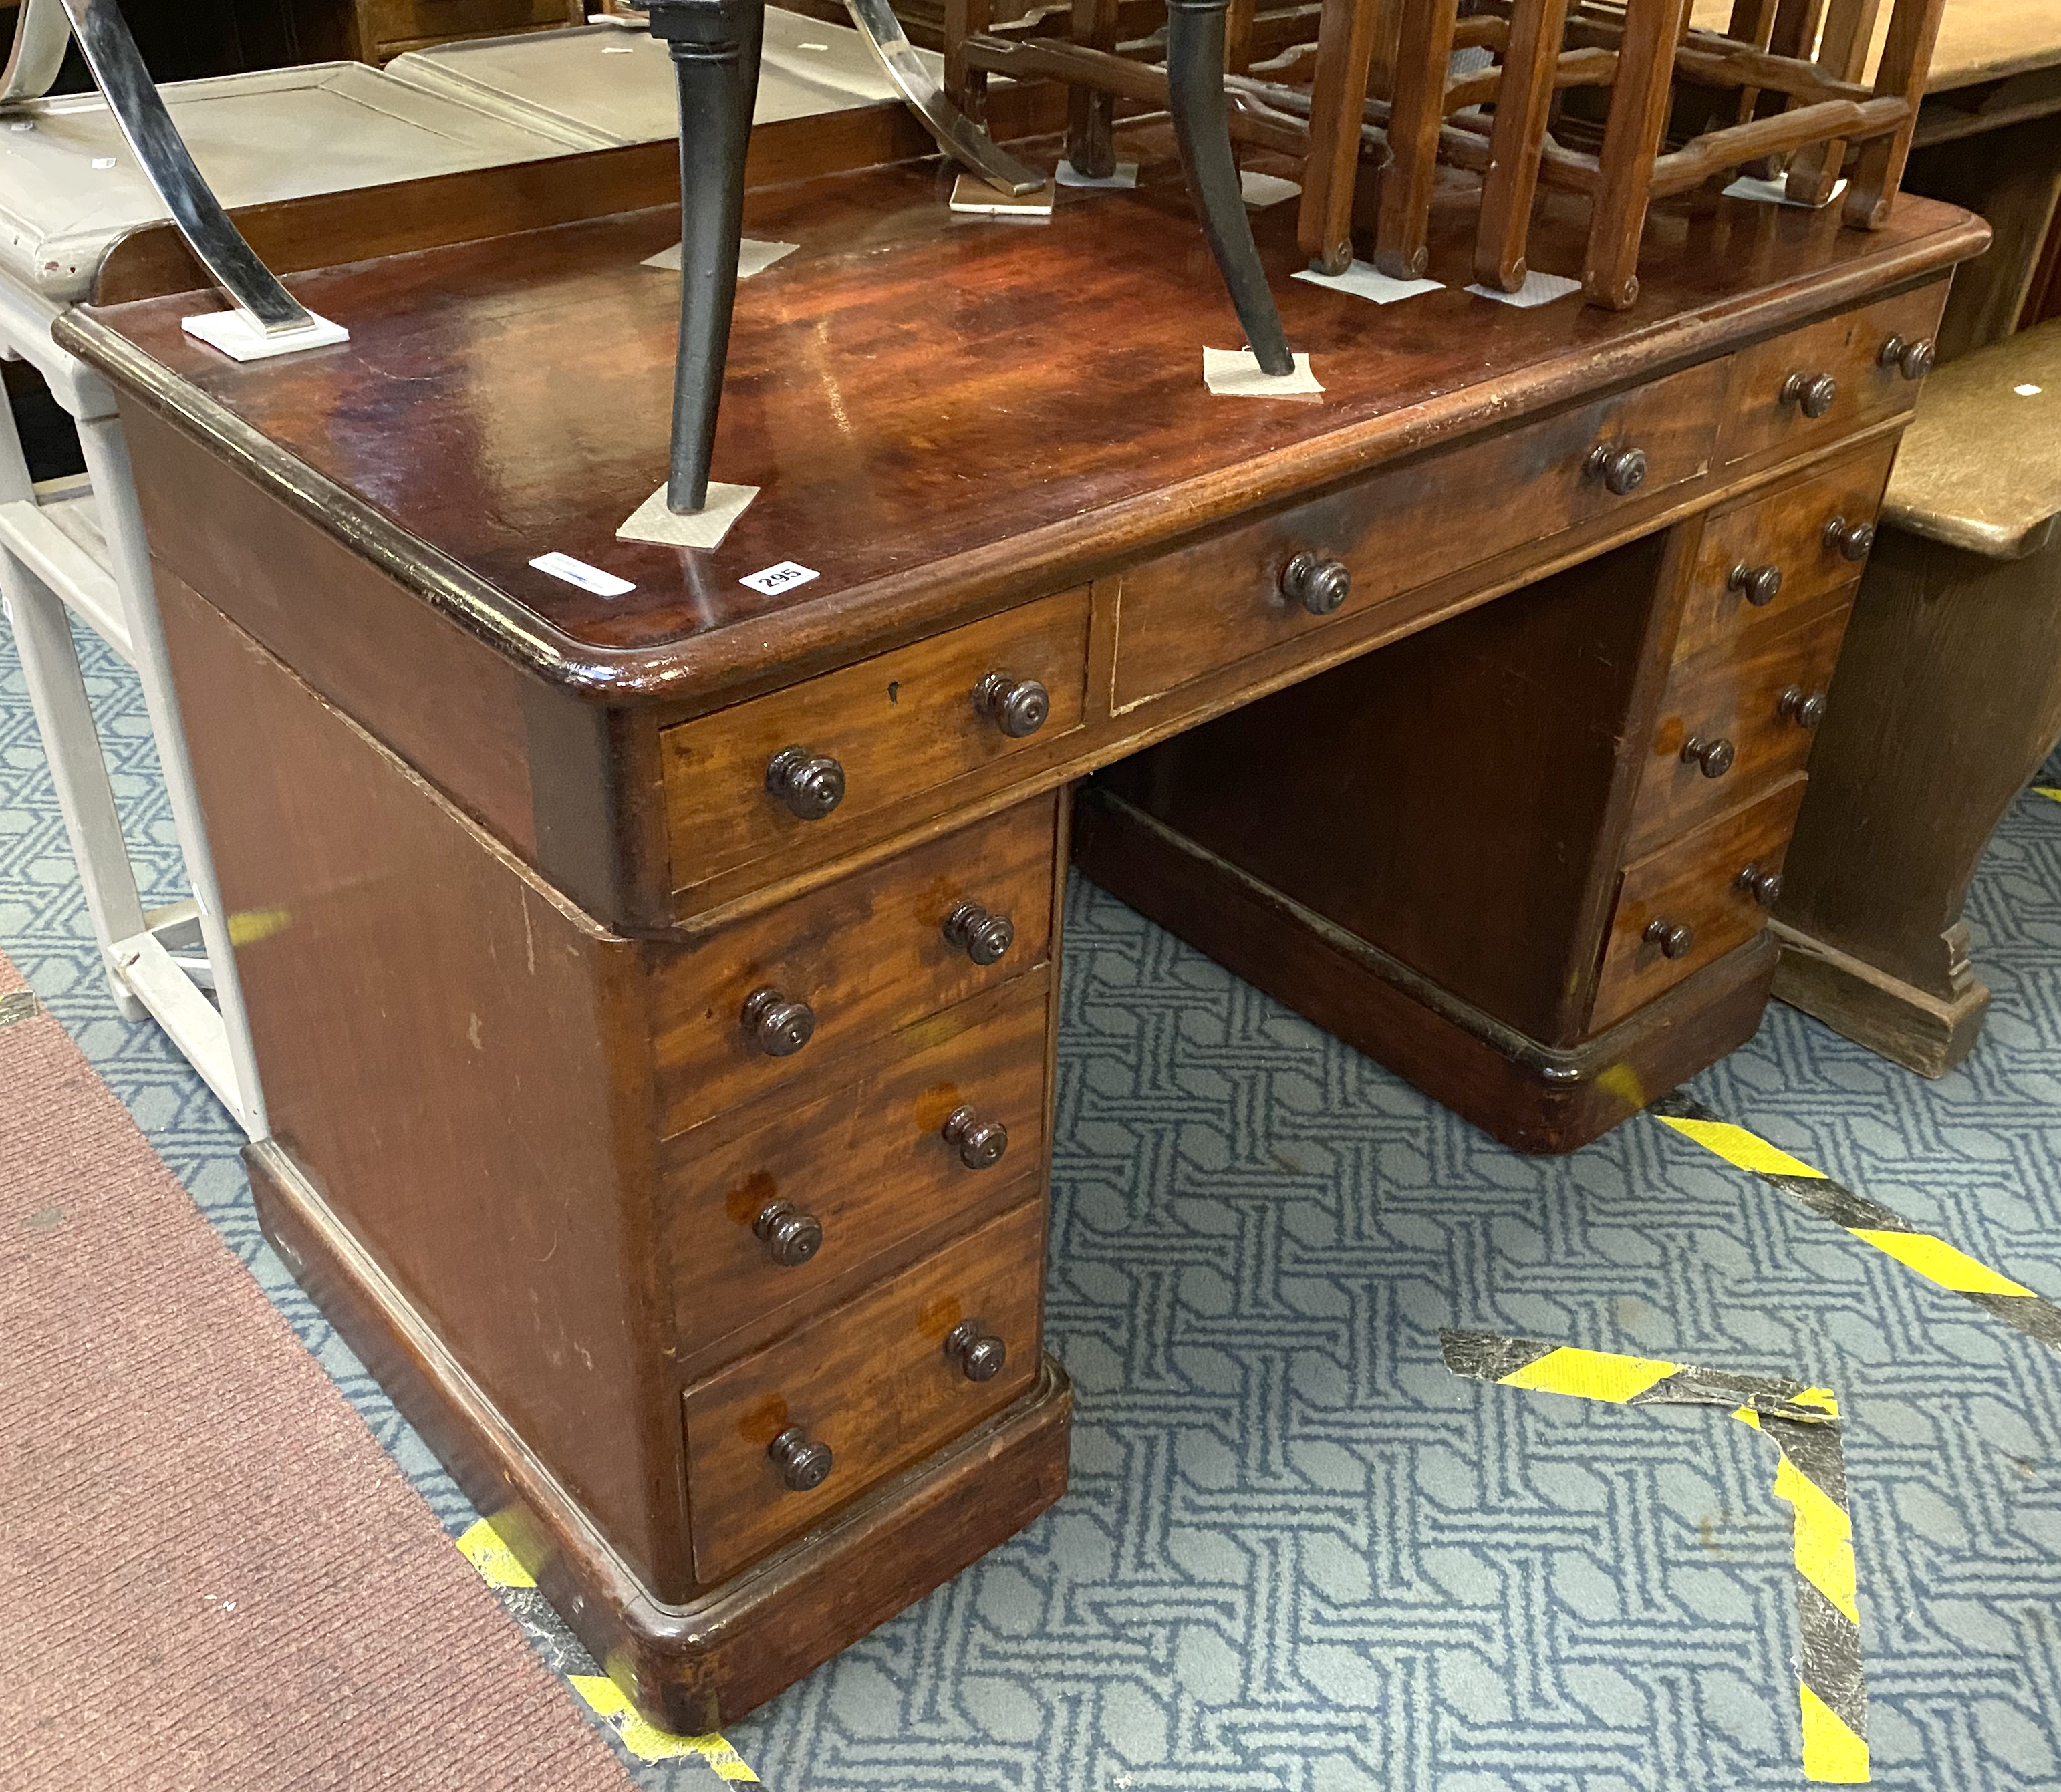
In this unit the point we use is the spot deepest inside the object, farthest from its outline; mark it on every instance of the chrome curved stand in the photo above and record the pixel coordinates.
(955, 133)
(132, 97)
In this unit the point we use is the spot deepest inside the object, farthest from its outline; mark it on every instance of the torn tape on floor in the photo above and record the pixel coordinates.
(488, 1550)
(1803, 1423)
(1872, 1223)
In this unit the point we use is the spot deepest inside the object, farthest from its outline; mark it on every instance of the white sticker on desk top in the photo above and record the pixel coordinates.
(781, 577)
(579, 573)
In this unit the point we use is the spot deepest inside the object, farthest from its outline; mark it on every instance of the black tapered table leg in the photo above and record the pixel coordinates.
(1202, 128)
(716, 46)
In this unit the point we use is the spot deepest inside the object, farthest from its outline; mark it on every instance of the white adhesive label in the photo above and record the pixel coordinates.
(779, 578)
(103, 161)
(579, 573)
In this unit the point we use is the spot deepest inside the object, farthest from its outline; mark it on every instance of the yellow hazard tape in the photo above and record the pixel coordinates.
(484, 1547)
(646, 1740)
(1591, 1375)
(1736, 1145)
(1835, 1750)
(2047, 791)
(1944, 1264)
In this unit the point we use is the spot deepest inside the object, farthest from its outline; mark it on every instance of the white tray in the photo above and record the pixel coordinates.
(70, 187)
(599, 86)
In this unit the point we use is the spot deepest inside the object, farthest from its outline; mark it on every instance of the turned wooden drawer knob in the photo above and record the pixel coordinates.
(779, 1027)
(984, 938)
(1851, 541)
(1622, 469)
(1812, 394)
(1764, 887)
(1320, 585)
(809, 784)
(981, 1143)
(1759, 586)
(1674, 938)
(791, 1236)
(1913, 359)
(1805, 709)
(1018, 706)
(803, 1466)
(1713, 757)
(979, 1356)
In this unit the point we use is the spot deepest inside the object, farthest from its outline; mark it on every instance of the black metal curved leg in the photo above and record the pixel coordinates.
(1195, 80)
(716, 46)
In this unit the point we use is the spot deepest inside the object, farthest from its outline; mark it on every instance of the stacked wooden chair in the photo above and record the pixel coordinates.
(1372, 96)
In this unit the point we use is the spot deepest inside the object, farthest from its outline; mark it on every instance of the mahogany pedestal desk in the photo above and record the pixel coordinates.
(668, 1130)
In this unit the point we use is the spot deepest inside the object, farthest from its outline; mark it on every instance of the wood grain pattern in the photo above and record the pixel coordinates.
(871, 1380)
(1735, 695)
(1532, 1097)
(1784, 527)
(1692, 882)
(931, 471)
(868, 1160)
(395, 963)
(866, 952)
(1847, 347)
(1189, 612)
(899, 725)
(697, 1661)
(1447, 800)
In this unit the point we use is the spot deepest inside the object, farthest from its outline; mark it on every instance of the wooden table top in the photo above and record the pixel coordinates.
(946, 415)
(1980, 467)
(1979, 40)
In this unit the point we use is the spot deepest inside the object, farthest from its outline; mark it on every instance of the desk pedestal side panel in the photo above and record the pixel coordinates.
(470, 1171)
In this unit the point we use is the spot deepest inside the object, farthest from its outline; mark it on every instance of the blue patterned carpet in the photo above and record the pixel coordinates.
(1298, 1554)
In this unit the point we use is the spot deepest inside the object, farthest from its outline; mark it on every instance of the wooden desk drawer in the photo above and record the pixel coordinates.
(1205, 606)
(897, 727)
(1785, 530)
(869, 1166)
(1700, 882)
(871, 1380)
(1734, 701)
(866, 955)
(1847, 350)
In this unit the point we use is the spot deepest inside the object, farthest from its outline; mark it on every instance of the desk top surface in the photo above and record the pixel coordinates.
(944, 414)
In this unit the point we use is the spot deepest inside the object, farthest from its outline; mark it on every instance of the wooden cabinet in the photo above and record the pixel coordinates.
(382, 29)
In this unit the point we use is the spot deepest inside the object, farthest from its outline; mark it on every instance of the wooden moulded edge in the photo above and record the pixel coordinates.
(689, 1667)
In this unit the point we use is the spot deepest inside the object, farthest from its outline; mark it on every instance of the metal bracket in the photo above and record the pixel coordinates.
(139, 110)
(956, 134)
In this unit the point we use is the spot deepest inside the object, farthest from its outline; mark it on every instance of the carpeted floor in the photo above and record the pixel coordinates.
(1298, 1554)
(215, 1578)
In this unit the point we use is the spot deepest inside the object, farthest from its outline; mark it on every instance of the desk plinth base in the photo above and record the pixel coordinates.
(1531, 1096)
(691, 1668)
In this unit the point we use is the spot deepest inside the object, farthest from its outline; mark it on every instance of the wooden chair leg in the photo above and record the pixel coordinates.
(1346, 42)
(967, 88)
(1814, 171)
(1424, 49)
(1091, 111)
(1523, 103)
(1906, 55)
(1639, 101)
